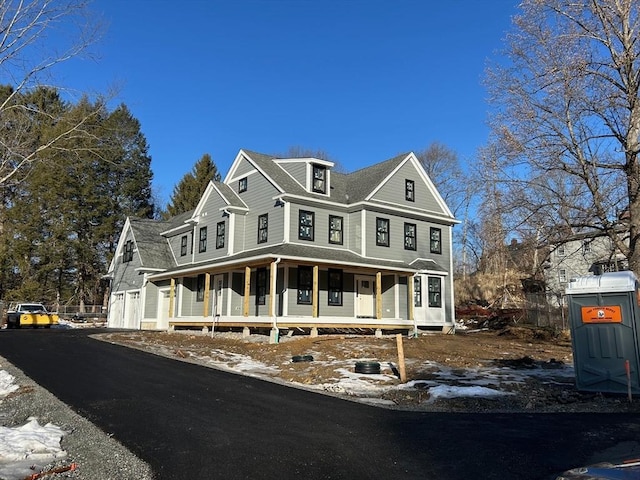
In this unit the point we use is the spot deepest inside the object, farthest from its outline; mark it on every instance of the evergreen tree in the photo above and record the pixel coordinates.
(189, 190)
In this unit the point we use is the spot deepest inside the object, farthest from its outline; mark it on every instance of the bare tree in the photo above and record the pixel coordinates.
(567, 121)
(35, 37)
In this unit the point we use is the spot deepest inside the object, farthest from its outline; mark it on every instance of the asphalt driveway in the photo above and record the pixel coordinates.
(189, 421)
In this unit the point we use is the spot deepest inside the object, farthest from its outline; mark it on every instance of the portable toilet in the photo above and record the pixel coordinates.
(603, 316)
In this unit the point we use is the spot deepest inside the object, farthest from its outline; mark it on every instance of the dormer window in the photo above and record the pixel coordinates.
(319, 179)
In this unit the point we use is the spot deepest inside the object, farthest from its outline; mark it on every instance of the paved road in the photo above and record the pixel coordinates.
(192, 422)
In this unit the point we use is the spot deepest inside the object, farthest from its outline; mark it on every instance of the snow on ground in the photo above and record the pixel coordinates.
(25, 449)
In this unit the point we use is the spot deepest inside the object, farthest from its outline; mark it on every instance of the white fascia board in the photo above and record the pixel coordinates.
(307, 160)
(246, 156)
(123, 232)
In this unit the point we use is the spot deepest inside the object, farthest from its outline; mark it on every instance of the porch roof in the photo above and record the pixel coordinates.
(301, 254)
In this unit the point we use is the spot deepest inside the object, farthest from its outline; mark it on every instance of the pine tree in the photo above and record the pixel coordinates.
(189, 190)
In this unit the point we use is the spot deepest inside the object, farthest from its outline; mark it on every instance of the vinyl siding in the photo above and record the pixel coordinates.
(393, 191)
(354, 232)
(396, 250)
(297, 170)
(321, 227)
(175, 243)
(210, 215)
(150, 307)
(125, 275)
(403, 293)
(244, 168)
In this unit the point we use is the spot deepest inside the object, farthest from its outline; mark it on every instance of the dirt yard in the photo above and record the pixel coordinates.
(531, 368)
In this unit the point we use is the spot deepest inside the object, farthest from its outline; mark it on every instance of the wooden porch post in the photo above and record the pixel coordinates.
(314, 296)
(247, 291)
(207, 282)
(172, 296)
(379, 295)
(273, 272)
(411, 297)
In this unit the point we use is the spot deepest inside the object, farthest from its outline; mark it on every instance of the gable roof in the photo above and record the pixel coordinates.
(153, 248)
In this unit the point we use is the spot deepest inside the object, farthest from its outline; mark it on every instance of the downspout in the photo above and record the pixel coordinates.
(275, 331)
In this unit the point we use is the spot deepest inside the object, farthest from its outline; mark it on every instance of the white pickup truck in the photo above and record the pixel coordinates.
(30, 314)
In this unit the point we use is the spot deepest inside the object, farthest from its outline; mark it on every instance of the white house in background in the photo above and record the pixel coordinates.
(289, 243)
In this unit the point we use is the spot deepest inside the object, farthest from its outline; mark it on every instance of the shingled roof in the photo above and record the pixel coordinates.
(152, 247)
(345, 188)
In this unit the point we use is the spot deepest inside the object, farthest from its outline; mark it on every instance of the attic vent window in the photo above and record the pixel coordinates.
(409, 190)
(319, 179)
(242, 185)
(127, 255)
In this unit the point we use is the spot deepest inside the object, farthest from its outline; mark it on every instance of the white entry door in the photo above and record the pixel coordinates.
(218, 289)
(164, 299)
(364, 296)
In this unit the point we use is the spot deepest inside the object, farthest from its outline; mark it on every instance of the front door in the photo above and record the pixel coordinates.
(163, 305)
(218, 289)
(364, 296)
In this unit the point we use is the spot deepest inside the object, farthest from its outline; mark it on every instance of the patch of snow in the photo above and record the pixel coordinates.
(26, 448)
(449, 391)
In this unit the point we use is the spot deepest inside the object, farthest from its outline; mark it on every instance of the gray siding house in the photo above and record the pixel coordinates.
(290, 243)
(589, 253)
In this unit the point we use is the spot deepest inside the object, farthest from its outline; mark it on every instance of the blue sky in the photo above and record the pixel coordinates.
(362, 80)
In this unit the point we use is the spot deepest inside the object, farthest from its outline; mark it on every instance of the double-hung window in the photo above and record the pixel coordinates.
(263, 227)
(409, 236)
(305, 285)
(417, 291)
(382, 232)
(261, 286)
(242, 185)
(319, 179)
(335, 229)
(335, 287)
(306, 220)
(202, 244)
(220, 234)
(435, 240)
(200, 288)
(183, 246)
(435, 292)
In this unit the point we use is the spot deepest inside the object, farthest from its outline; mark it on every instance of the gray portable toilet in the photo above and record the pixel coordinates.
(603, 316)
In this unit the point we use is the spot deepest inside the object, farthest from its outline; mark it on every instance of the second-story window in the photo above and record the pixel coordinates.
(409, 190)
(305, 285)
(562, 275)
(319, 179)
(586, 247)
(409, 236)
(263, 227)
(560, 251)
(127, 254)
(220, 234)
(335, 229)
(306, 221)
(202, 244)
(242, 185)
(382, 232)
(183, 246)
(435, 240)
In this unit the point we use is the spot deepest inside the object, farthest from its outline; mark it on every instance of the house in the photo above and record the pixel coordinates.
(287, 243)
(587, 253)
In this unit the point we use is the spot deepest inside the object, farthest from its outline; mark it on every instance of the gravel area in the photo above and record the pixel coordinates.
(96, 454)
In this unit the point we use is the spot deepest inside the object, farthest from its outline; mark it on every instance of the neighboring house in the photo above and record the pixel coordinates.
(289, 243)
(590, 253)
